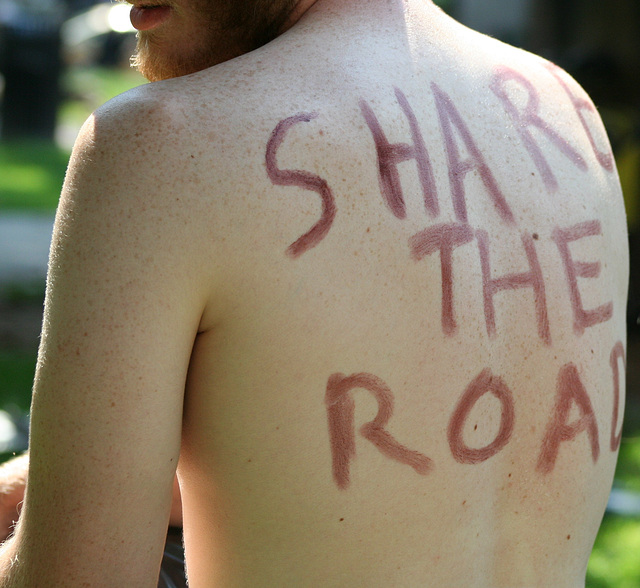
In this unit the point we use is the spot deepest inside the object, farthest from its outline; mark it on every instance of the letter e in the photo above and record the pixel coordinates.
(578, 269)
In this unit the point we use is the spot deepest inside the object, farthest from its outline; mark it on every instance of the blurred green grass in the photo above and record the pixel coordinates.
(615, 560)
(31, 175)
(16, 378)
(628, 470)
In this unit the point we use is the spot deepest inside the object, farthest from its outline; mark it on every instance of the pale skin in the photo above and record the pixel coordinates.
(13, 482)
(13, 478)
(182, 331)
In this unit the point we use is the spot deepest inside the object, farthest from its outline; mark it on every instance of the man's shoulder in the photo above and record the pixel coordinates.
(203, 107)
(148, 111)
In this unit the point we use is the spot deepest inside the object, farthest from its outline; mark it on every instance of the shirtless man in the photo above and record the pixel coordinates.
(367, 282)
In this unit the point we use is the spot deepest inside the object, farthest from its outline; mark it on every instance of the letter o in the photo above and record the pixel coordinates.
(483, 383)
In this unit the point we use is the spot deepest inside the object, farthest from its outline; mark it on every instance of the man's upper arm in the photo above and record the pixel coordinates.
(123, 306)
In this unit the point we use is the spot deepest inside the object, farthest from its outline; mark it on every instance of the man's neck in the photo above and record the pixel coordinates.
(297, 13)
(356, 9)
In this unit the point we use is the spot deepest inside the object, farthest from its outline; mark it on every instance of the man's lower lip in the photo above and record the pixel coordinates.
(144, 19)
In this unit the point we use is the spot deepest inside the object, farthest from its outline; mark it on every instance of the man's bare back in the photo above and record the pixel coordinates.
(400, 247)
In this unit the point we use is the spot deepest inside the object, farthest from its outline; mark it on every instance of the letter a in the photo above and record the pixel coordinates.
(569, 391)
(458, 168)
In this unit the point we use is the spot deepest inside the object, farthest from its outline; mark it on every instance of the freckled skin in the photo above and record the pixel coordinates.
(292, 308)
(530, 117)
(582, 104)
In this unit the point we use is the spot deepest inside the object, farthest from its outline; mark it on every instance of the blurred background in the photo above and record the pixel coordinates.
(60, 59)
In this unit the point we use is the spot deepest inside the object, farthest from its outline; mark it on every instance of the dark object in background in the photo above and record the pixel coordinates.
(31, 65)
(172, 572)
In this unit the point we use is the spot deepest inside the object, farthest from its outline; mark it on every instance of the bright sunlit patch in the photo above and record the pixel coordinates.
(8, 431)
(119, 18)
(98, 20)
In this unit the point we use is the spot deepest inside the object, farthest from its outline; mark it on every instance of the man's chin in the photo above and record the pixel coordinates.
(156, 66)
(152, 72)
